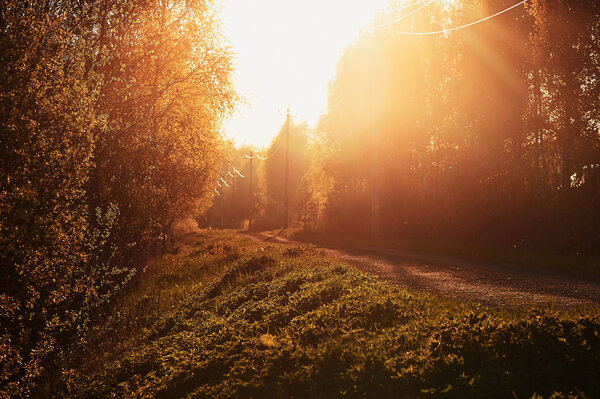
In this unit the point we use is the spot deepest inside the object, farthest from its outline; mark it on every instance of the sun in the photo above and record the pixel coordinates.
(286, 53)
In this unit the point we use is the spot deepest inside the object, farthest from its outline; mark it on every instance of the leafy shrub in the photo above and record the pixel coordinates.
(90, 189)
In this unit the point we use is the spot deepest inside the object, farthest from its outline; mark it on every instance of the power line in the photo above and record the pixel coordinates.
(256, 156)
(334, 106)
(237, 171)
(267, 158)
(401, 18)
(437, 32)
(405, 6)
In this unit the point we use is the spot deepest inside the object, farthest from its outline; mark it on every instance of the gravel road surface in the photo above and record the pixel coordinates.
(488, 283)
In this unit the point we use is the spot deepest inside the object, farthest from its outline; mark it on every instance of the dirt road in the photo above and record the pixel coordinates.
(490, 284)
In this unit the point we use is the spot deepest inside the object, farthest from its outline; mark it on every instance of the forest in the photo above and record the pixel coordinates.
(487, 135)
(112, 144)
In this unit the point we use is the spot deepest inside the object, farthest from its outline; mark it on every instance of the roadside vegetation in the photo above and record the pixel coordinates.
(110, 134)
(221, 316)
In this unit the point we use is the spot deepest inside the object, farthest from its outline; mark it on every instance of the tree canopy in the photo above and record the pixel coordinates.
(110, 131)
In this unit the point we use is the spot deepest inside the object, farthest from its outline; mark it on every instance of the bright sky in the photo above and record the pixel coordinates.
(286, 53)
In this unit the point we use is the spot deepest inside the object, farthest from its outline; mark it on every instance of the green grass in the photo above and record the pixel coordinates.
(226, 317)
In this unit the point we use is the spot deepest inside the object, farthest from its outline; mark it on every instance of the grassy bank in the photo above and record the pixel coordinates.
(222, 316)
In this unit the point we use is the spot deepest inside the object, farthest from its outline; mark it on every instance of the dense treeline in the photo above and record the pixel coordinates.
(110, 118)
(488, 135)
(267, 196)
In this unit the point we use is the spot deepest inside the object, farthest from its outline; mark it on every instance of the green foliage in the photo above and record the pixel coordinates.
(284, 321)
(110, 117)
(165, 86)
(314, 192)
(46, 117)
(274, 169)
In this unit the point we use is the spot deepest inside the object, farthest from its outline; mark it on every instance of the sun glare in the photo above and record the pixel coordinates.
(449, 3)
(285, 54)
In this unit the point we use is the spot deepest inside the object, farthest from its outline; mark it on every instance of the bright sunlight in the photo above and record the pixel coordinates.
(285, 54)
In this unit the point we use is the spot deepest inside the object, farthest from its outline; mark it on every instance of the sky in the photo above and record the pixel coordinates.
(285, 54)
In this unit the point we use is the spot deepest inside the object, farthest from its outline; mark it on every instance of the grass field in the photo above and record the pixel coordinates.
(222, 316)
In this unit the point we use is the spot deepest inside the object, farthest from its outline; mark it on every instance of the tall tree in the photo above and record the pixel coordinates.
(110, 116)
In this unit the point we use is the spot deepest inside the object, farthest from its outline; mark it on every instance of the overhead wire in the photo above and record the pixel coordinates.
(237, 171)
(402, 17)
(334, 106)
(256, 156)
(442, 31)
(221, 182)
(269, 157)
(405, 6)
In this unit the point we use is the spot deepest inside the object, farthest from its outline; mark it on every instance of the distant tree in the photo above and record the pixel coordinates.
(312, 197)
(274, 172)
(564, 113)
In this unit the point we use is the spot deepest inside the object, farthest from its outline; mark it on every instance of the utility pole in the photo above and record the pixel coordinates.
(375, 170)
(375, 182)
(251, 194)
(233, 203)
(287, 168)
(221, 200)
